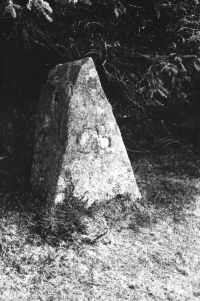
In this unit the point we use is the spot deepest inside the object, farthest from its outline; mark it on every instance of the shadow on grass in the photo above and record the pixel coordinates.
(167, 189)
(16, 154)
(16, 146)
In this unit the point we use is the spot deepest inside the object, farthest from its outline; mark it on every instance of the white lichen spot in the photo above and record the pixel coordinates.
(104, 142)
(83, 139)
(60, 198)
(61, 186)
(92, 72)
(46, 121)
(87, 200)
(61, 183)
(100, 110)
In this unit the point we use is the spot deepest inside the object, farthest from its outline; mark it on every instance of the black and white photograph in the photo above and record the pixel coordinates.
(99, 150)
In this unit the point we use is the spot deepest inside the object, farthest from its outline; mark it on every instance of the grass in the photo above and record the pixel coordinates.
(152, 251)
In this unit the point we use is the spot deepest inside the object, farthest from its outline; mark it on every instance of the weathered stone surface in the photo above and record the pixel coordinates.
(79, 148)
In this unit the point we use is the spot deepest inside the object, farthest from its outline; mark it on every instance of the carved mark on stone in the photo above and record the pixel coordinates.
(101, 130)
(87, 140)
(103, 137)
(105, 142)
(93, 140)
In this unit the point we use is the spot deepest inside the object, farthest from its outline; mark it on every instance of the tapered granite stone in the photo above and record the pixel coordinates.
(79, 149)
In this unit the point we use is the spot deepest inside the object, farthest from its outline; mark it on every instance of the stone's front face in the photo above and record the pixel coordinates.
(79, 149)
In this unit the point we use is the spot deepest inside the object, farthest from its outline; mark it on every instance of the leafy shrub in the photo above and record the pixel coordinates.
(146, 52)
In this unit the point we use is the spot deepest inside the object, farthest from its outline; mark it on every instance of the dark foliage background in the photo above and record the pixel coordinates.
(146, 52)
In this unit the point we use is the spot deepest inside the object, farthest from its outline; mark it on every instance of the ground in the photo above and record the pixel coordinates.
(152, 251)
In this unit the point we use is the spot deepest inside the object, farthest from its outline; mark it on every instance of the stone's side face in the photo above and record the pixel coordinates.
(79, 146)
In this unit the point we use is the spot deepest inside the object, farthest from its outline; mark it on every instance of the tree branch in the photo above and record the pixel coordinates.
(151, 57)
